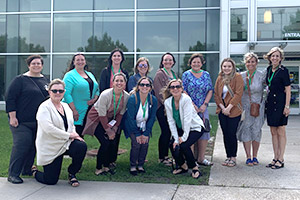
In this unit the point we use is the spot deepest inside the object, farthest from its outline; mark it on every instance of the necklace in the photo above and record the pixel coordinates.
(174, 76)
(197, 72)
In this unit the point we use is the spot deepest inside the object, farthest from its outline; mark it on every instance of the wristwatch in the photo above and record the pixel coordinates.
(288, 107)
(206, 104)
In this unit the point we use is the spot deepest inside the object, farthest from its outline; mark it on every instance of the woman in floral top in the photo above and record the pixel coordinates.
(197, 84)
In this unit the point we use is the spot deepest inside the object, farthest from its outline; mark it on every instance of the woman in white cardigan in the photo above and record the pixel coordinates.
(56, 137)
(185, 125)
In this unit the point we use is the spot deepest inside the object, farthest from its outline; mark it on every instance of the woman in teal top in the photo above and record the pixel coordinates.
(82, 90)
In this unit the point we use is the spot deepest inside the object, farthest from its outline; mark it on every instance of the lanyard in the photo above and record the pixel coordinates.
(116, 108)
(169, 74)
(201, 70)
(144, 108)
(250, 78)
(112, 69)
(270, 79)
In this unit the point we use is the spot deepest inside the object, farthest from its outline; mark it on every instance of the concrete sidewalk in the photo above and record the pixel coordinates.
(240, 182)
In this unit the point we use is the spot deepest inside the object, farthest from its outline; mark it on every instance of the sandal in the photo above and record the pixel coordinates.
(196, 173)
(73, 180)
(102, 171)
(225, 163)
(249, 162)
(205, 162)
(34, 170)
(166, 161)
(271, 164)
(180, 170)
(133, 171)
(279, 164)
(231, 163)
(255, 161)
(141, 170)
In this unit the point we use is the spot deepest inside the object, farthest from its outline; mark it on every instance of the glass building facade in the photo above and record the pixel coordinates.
(57, 29)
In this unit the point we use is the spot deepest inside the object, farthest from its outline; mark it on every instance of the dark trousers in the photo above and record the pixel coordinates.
(165, 137)
(50, 176)
(138, 152)
(79, 128)
(108, 150)
(183, 151)
(23, 149)
(229, 127)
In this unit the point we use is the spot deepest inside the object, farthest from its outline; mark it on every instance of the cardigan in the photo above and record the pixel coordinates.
(132, 110)
(190, 120)
(78, 92)
(133, 80)
(161, 80)
(105, 78)
(52, 140)
(237, 86)
(24, 95)
(100, 109)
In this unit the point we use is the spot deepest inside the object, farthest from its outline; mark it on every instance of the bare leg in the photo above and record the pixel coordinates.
(202, 144)
(255, 146)
(281, 142)
(247, 147)
(275, 141)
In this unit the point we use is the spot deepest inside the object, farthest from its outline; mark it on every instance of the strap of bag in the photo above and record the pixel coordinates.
(232, 95)
(248, 87)
(37, 87)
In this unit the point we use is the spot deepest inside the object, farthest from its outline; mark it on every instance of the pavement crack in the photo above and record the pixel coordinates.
(175, 192)
(25, 197)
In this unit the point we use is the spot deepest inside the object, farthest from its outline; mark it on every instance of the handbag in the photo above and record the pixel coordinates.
(206, 123)
(254, 107)
(239, 105)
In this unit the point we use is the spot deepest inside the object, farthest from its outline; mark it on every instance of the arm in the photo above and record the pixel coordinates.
(151, 118)
(286, 110)
(187, 108)
(158, 84)
(218, 94)
(13, 121)
(206, 101)
(68, 94)
(131, 116)
(171, 121)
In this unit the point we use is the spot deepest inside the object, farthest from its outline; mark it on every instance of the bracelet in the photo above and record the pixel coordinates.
(288, 107)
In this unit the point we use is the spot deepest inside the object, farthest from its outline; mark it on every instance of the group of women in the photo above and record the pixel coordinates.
(78, 106)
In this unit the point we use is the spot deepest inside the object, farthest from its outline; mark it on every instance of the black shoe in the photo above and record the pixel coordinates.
(14, 179)
(133, 173)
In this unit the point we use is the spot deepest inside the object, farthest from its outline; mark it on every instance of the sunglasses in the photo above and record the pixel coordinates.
(59, 91)
(175, 86)
(143, 85)
(143, 65)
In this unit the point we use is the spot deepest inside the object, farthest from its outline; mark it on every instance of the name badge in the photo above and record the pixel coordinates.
(112, 122)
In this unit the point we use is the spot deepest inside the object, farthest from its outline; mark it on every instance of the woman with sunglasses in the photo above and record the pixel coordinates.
(141, 69)
(82, 90)
(186, 127)
(141, 110)
(57, 137)
(162, 77)
(24, 95)
(115, 61)
(104, 120)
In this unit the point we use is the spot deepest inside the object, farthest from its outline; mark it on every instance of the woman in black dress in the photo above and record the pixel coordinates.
(278, 103)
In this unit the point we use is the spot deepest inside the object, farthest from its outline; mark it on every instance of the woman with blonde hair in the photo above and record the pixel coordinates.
(278, 103)
(228, 94)
(250, 130)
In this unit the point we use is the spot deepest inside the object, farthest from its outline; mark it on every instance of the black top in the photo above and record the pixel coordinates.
(91, 85)
(280, 80)
(24, 95)
(64, 118)
(105, 78)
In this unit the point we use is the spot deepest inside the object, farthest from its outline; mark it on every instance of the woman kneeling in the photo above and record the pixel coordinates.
(56, 137)
(185, 125)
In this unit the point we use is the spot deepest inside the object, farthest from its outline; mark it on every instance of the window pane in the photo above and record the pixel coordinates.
(198, 31)
(113, 30)
(115, 4)
(2, 5)
(72, 31)
(239, 25)
(284, 24)
(157, 31)
(73, 5)
(34, 33)
(12, 5)
(157, 4)
(12, 33)
(35, 5)
(199, 3)
(2, 33)
(2, 78)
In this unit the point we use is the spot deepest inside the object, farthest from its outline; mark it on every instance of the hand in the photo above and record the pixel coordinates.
(180, 140)
(286, 111)
(115, 129)
(91, 102)
(139, 139)
(226, 111)
(13, 121)
(74, 135)
(174, 145)
(111, 134)
(202, 108)
(145, 139)
(75, 115)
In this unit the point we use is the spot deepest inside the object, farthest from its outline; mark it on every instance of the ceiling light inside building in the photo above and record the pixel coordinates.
(268, 17)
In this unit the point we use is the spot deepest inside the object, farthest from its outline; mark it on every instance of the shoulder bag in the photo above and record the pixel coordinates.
(254, 107)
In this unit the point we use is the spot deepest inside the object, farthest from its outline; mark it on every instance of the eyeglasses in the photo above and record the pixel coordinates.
(175, 86)
(59, 91)
(144, 84)
(143, 65)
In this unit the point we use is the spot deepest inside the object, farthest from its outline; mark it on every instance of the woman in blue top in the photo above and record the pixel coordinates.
(141, 69)
(141, 111)
(82, 90)
(197, 84)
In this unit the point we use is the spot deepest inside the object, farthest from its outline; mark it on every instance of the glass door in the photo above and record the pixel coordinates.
(294, 77)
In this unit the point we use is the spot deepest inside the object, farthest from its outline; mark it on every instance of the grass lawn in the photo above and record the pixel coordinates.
(155, 172)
